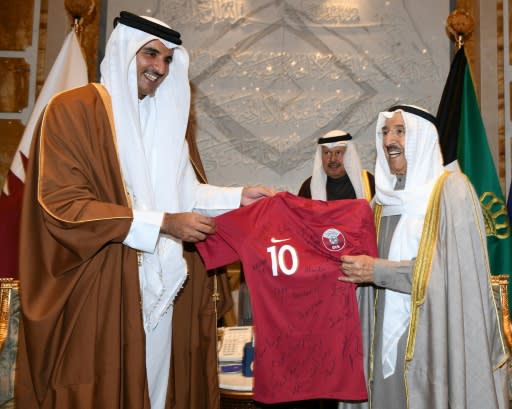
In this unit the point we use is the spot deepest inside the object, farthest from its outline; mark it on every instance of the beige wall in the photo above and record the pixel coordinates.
(484, 59)
(488, 57)
(273, 76)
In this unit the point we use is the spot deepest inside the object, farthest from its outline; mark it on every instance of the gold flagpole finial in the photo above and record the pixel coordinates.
(79, 9)
(77, 26)
(460, 24)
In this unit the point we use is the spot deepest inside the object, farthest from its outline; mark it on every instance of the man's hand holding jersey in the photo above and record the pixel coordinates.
(189, 226)
(251, 194)
(193, 227)
(357, 269)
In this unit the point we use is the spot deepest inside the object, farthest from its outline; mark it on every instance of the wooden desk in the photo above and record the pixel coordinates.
(235, 391)
(230, 399)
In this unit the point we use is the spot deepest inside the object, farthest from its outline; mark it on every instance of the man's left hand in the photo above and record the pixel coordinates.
(251, 194)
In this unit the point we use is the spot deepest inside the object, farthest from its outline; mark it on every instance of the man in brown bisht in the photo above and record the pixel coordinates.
(437, 340)
(109, 197)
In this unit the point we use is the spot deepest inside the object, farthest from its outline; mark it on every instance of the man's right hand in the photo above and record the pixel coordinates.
(190, 226)
(357, 269)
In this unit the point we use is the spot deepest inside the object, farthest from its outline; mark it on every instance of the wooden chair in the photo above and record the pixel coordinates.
(9, 327)
(499, 285)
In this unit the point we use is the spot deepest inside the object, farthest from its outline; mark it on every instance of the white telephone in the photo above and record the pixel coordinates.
(233, 342)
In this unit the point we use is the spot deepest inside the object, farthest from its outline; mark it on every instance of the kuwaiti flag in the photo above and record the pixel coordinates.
(509, 202)
(68, 71)
(464, 141)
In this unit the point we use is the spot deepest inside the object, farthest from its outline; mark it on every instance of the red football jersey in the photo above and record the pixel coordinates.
(307, 331)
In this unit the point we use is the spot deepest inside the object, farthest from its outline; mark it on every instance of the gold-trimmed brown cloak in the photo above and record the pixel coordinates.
(81, 337)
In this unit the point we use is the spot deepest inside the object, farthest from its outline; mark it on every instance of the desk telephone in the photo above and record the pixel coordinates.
(233, 342)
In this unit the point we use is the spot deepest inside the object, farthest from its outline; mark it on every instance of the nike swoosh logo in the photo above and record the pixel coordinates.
(278, 240)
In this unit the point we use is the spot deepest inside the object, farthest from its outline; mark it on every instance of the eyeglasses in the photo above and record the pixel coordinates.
(397, 130)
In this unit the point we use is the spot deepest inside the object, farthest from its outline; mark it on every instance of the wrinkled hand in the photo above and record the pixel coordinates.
(251, 194)
(190, 226)
(357, 269)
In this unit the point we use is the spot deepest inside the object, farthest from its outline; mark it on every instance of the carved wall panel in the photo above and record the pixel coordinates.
(10, 136)
(271, 76)
(20, 47)
(14, 86)
(16, 24)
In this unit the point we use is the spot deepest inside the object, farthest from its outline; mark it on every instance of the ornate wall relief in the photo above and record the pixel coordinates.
(270, 77)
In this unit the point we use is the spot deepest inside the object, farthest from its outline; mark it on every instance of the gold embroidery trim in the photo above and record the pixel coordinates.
(367, 192)
(422, 267)
(201, 175)
(108, 107)
(377, 214)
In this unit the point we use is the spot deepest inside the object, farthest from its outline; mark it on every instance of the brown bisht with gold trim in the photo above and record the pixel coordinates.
(81, 339)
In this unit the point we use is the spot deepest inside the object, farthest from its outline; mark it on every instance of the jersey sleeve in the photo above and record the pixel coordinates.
(233, 228)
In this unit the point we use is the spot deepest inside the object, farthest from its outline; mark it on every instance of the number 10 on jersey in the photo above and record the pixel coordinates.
(281, 258)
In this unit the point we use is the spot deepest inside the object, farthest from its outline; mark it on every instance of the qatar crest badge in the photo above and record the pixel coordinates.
(333, 240)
